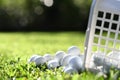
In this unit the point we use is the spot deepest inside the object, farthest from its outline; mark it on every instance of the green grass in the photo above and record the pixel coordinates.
(26, 44)
(16, 49)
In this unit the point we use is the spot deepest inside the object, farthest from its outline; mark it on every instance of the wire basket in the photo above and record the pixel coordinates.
(103, 32)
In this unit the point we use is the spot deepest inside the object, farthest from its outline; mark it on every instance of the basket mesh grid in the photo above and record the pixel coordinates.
(103, 33)
(107, 32)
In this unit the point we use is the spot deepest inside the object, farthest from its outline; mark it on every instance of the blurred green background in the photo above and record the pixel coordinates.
(17, 15)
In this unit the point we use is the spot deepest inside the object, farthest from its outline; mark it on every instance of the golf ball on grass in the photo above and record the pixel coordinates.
(65, 59)
(52, 64)
(76, 63)
(32, 58)
(74, 50)
(70, 70)
(59, 56)
(47, 57)
(39, 60)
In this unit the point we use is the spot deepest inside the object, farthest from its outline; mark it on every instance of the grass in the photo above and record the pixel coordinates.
(16, 49)
(26, 44)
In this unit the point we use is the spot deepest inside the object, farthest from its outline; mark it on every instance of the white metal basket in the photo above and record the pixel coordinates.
(103, 32)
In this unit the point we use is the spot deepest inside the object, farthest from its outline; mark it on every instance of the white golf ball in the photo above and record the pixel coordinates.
(70, 70)
(98, 58)
(47, 57)
(65, 59)
(48, 3)
(76, 63)
(59, 55)
(101, 62)
(39, 60)
(112, 61)
(32, 58)
(74, 50)
(52, 64)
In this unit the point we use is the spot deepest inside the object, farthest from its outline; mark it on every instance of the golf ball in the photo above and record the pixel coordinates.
(70, 70)
(98, 58)
(59, 55)
(32, 59)
(65, 59)
(74, 50)
(47, 57)
(76, 63)
(52, 64)
(39, 60)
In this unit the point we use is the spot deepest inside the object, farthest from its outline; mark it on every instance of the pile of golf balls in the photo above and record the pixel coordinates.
(72, 61)
(104, 63)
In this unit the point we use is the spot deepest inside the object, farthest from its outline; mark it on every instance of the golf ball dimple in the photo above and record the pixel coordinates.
(74, 50)
(52, 64)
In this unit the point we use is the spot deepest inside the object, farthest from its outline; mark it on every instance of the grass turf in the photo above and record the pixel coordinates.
(16, 48)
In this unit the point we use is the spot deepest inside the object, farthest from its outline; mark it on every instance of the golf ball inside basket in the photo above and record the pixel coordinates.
(114, 54)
